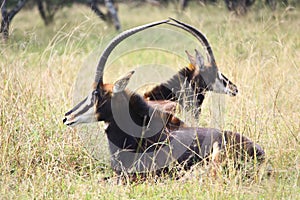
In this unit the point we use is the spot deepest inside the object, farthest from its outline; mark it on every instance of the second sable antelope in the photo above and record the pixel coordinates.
(138, 135)
(190, 84)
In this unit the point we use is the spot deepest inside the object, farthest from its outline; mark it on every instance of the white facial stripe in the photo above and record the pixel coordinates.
(219, 86)
(87, 117)
(220, 75)
(84, 106)
(85, 113)
(227, 91)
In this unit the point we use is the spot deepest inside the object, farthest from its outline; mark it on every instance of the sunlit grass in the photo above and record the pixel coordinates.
(41, 158)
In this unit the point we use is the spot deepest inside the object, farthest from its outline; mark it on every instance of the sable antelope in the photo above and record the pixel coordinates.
(139, 140)
(138, 135)
(190, 84)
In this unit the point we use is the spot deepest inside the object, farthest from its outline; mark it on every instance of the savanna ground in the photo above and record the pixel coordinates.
(41, 158)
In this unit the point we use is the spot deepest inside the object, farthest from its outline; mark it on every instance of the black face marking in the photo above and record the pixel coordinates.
(86, 108)
(95, 97)
(70, 123)
(225, 80)
(76, 107)
(95, 93)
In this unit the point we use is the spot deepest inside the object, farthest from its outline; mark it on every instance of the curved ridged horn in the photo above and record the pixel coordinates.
(200, 36)
(119, 38)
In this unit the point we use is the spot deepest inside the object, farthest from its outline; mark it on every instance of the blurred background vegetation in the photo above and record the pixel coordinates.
(48, 8)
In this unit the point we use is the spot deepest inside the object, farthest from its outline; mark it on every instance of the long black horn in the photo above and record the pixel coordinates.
(119, 38)
(200, 36)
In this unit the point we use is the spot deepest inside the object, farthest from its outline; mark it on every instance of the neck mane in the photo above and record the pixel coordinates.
(134, 126)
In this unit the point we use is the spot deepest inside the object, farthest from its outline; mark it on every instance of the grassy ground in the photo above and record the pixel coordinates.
(41, 158)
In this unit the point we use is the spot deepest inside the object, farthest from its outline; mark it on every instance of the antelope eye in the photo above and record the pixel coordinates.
(96, 93)
(95, 96)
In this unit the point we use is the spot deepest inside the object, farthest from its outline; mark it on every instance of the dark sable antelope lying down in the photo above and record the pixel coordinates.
(139, 137)
(143, 139)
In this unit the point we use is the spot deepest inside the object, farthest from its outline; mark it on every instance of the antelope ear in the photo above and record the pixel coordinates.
(192, 60)
(199, 60)
(121, 84)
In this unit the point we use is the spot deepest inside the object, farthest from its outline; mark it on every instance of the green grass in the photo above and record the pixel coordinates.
(40, 158)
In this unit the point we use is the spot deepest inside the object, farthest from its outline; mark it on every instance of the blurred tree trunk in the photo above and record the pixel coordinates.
(47, 10)
(7, 16)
